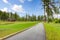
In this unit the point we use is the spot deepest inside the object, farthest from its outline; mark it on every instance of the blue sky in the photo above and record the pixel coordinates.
(22, 7)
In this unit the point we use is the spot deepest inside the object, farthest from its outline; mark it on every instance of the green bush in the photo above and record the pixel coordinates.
(50, 20)
(57, 20)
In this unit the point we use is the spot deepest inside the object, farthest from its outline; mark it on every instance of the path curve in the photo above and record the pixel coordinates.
(37, 32)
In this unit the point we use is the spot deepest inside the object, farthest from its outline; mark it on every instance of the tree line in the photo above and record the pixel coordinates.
(9, 16)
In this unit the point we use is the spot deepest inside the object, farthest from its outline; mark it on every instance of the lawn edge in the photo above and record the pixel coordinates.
(10, 35)
(45, 30)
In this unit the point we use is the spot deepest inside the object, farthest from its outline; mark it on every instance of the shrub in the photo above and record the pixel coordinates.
(57, 20)
(50, 20)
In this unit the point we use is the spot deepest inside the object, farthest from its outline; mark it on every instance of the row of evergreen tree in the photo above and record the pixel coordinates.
(8, 15)
(15, 17)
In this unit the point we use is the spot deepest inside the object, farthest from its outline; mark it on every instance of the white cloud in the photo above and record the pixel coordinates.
(18, 8)
(29, 0)
(4, 9)
(22, 1)
(5, 1)
(56, 15)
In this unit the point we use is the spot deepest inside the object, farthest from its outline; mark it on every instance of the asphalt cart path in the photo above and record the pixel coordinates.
(37, 32)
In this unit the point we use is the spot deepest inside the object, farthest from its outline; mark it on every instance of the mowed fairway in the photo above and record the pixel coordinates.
(7, 28)
(52, 31)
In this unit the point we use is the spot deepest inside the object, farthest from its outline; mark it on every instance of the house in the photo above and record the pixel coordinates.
(11, 19)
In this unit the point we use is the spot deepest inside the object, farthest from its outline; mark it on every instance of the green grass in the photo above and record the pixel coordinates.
(52, 31)
(7, 28)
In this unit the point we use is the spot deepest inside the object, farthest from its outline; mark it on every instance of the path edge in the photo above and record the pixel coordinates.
(10, 35)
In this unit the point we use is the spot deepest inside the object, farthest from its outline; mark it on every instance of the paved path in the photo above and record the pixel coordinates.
(35, 33)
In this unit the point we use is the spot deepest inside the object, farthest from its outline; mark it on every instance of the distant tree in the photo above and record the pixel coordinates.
(11, 15)
(26, 17)
(16, 16)
(42, 18)
(4, 16)
(29, 18)
(0, 14)
(39, 18)
(33, 17)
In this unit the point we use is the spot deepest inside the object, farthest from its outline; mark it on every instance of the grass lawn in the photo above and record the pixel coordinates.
(7, 28)
(52, 31)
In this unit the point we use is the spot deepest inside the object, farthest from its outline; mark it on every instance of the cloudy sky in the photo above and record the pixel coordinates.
(22, 7)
